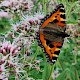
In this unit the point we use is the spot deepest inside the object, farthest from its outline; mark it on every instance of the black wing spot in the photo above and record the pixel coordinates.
(55, 21)
(62, 10)
(63, 22)
(54, 58)
(47, 42)
(51, 45)
(62, 16)
(59, 46)
(57, 52)
(57, 14)
(51, 22)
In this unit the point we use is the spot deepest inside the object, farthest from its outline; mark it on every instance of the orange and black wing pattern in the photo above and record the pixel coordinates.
(51, 33)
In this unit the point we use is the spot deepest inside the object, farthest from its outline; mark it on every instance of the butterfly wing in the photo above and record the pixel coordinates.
(57, 16)
(52, 33)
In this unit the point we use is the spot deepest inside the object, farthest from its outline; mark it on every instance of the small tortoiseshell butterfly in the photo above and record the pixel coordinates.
(52, 33)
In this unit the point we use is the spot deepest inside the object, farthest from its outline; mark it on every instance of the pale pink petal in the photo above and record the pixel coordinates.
(4, 51)
(4, 58)
(5, 79)
(15, 52)
(4, 14)
(6, 3)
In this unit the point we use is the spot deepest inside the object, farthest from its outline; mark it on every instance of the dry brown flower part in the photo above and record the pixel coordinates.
(55, 74)
(73, 30)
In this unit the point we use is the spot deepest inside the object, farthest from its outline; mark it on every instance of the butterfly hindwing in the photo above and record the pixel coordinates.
(52, 33)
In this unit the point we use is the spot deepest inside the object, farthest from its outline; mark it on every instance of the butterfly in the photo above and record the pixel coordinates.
(51, 33)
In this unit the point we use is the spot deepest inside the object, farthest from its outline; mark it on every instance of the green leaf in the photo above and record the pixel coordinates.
(62, 76)
(4, 25)
(48, 69)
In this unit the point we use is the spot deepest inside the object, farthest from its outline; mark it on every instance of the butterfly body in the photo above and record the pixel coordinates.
(52, 33)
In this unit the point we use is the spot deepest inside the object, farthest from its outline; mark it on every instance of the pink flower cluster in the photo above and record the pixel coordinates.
(8, 58)
(27, 22)
(7, 47)
(8, 50)
(17, 4)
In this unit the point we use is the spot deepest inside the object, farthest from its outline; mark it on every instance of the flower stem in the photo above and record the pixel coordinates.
(52, 67)
(44, 6)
